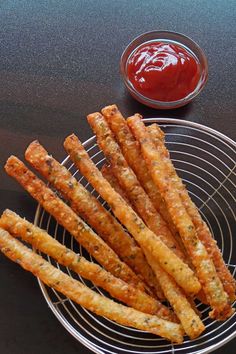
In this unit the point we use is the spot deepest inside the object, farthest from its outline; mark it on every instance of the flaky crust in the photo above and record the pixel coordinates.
(111, 178)
(82, 295)
(129, 182)
(132, 153)
(145, 237)
(202, 229)
(71, 222)
(117, 288)
(89, 208)
(184, 308)
(164, 175)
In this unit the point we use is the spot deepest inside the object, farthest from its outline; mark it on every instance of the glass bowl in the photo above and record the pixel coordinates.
(166, 37)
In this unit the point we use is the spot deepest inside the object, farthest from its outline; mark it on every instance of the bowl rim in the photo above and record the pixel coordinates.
(162, 104)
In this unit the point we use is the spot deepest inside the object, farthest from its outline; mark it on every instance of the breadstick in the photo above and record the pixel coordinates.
(111, 178)
(132, 153)
(89, 208)
(82, 295)
(71, 222)
(117, 288)
(202, 229)
(107, 173)
(190, 321)
(184, 308)
(128, 181)
(162, 174)
(183, 275)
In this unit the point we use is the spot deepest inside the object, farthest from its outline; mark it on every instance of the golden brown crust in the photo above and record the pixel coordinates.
(183, 275)
(71, 222)
(111, 178)
(202, 229)
(117, 288)
(184, 308)
(153, 130)
(163, 174)
(132, 153)
(82, 295)
(190, 321)
(130, 184)
(89, 208)
(107, 173)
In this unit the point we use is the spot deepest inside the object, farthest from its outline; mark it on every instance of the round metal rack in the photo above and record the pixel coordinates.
(205, 160)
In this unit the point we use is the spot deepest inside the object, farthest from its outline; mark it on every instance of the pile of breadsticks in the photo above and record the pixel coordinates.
(151, 250)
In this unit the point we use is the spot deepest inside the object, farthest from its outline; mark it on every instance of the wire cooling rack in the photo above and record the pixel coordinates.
(205, 160)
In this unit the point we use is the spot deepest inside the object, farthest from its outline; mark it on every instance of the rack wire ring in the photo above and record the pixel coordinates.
(205, 160)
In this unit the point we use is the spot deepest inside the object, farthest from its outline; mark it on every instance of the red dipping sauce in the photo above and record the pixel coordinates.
(163, 71)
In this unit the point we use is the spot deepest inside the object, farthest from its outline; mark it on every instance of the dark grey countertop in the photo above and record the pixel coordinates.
(59, 61)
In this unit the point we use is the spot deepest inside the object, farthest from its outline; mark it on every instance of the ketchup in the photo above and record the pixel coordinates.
(163, 71)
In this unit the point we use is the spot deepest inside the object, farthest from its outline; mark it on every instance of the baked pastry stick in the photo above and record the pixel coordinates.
(183, 275)
(88, 207)
(184, 308)
(116, 287)
(82, 295)
(130, 184)
(164, 175)
(132, 153)
(71, 222)
(202, 229)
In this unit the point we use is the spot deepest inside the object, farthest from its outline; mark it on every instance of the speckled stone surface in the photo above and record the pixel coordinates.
(59, 60)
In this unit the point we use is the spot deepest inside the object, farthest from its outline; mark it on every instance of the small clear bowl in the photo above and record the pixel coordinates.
(168, 37)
